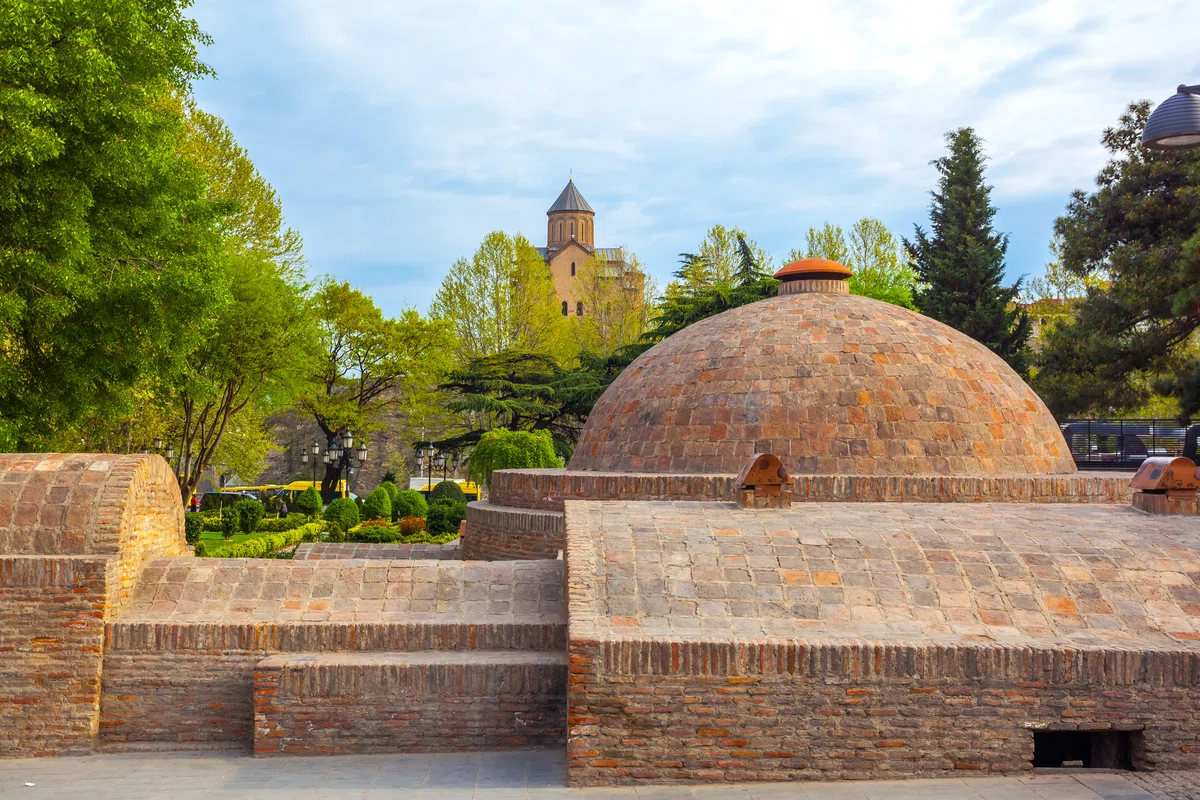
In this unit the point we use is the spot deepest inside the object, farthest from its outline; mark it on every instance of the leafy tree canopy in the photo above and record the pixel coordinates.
(505, 449)
(109, 244)
(960, 261)
(502, 299)
(872, 252)
(1135, 243)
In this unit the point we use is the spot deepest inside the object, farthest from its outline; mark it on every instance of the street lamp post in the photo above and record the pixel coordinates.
(1175, 124)
(316, 451)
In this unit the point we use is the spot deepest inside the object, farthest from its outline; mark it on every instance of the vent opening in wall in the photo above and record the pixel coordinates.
(1084, 749)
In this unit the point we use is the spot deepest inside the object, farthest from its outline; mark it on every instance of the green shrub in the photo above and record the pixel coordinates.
(229, 523)
(249, 513)
(374, 534)
(411, 525)
(343, 511)
(260, 546)
(378, 505)
(309, 502)
(501, 448)
(410, 503)
(277, 525)
(447, 490)
(336, 533)
(390, 488)
(443, 517)
(273, 503)
(193, 525)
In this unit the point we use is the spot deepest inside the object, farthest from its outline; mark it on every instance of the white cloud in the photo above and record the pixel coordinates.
(675, 115)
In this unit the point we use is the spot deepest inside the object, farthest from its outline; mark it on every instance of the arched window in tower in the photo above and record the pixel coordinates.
(572, 229)
(564, 308)
(572, 269)
(560, 231)
(579, 309)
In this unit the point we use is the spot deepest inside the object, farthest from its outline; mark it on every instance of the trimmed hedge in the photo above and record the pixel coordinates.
(250, 512)
(309, 502)
(378, 505)
(443, 518)
(391, 489)
(410, 503)
(447, 491)
(261, 545)
(343, 511)
(193, 525)
(288, 523)
(501, 448)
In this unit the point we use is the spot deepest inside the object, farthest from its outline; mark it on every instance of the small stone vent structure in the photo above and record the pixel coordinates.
(764, 483)
(1167, 486)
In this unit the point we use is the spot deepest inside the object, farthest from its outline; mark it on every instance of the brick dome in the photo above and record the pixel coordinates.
(832, 384)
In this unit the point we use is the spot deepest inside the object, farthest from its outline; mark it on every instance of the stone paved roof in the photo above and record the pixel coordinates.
(1009, 574)
(832, 384)
(184, 590)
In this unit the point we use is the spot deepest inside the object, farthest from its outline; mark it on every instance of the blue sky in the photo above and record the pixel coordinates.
(399, 133)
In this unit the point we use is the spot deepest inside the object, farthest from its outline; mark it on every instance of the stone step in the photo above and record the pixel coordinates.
(504, 533)
(418, 702)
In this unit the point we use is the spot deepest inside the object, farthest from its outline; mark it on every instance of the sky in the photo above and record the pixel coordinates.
(398, 134)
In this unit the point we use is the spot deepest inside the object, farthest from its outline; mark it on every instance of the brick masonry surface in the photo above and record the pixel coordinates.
(833, 384)
(178, 665)
(388, 552)
(499, 533)
(548, 488)
(74, 533)
(855, 640)
(409, 702)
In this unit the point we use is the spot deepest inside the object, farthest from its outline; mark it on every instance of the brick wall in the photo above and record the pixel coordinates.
(498, 533)
(547, 489)
(658, 712)
(75, 531)
(408, 702)
(180, 684)
(51, 633)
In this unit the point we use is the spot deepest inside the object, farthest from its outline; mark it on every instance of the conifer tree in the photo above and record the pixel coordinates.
(960, 261)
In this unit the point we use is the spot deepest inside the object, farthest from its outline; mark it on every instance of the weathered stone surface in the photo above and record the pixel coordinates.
(709, 642)
(834, 384)
(327, 551)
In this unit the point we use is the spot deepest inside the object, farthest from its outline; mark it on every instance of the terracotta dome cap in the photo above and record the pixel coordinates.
(810, 267)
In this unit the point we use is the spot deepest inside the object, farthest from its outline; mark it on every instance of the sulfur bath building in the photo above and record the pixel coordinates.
(943, 593)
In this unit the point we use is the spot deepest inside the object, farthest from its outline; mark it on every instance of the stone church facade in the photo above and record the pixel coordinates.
(570, 243)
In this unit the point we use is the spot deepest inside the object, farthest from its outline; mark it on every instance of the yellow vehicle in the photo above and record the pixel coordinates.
(470, 489)
(262, 492)
(292, 490)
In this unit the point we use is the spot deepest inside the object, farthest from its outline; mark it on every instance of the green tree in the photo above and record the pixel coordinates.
(109, 246)
(378, 504)
(618, 298)
(517, 391)
(369, 364)
(722, 252)
(410, 503)
(505, 449)
(960, 262)
(502, 299)
(828, 241)
(1135, 242)
(308, 502)
(873, 253)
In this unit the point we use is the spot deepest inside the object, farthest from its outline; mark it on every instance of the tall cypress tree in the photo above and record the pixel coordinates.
(960, 262)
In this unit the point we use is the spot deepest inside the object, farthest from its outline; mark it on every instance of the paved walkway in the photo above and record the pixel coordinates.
(538, 775)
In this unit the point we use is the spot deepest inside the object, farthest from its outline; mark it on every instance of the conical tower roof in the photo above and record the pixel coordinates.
(570, 200)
